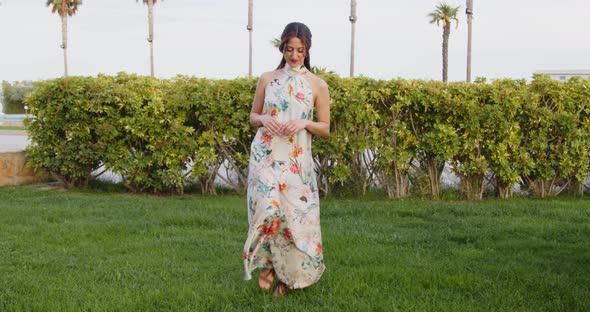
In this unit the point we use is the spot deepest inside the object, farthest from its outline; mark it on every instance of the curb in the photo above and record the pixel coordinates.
(13, 132)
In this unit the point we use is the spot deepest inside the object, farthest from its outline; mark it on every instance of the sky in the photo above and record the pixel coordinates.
(208, 38)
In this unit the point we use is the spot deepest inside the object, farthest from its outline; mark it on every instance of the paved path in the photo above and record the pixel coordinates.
(13, 140)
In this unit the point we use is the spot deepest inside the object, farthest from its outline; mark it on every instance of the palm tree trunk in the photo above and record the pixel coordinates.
(352, 19)
(151, 34)
(445, 52)
(64, 38)
(469, 12)
(250, 28)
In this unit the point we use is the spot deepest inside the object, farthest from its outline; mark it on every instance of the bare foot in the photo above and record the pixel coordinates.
(265, 278)
(281, 290)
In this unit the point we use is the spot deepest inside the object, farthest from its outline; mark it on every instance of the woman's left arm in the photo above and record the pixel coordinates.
(321, 127)
(322, 104)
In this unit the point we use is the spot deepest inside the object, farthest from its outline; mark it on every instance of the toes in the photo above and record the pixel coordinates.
(265, 279)
(281, 290)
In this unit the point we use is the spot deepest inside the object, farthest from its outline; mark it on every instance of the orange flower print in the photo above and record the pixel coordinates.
(318, 249)
(272, 228)
(300, 96)
(291, 89)
(297, 150)
(274, 203)
(295, 168)
(282, 187)
(274, 112)
(266, 137)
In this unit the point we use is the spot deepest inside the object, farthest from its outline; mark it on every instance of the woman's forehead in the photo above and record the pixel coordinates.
(295, 42)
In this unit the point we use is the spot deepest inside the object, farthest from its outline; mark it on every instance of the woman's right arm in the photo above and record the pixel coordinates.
(257, 119)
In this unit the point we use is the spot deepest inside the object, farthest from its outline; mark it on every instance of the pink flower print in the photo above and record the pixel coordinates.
(269, 160)
(266, 138)
(300, 96)
(295, 168)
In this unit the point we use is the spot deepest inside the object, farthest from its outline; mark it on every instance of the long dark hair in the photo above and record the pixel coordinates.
(300, 31)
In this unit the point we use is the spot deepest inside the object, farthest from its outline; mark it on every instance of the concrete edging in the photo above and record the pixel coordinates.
(14, 171)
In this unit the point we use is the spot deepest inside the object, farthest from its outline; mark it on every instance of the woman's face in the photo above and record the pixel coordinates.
(294, 52)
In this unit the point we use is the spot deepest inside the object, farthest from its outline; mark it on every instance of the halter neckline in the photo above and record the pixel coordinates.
(293, 71)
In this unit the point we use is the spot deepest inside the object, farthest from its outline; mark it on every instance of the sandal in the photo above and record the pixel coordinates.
(265, 279)
(281, 290)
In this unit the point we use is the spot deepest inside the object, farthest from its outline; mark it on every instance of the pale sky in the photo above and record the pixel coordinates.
(208, 38)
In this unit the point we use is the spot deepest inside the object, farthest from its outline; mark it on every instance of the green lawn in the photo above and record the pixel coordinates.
(11, 128)
(76, 250)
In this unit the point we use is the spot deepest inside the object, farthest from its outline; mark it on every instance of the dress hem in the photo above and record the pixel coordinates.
(322, 269)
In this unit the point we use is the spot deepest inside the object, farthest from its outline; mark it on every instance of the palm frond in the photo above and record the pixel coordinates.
(444, 13)
(71, 6)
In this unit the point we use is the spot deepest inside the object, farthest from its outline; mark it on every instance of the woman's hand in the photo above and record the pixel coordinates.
(294, 126)
(271, 124)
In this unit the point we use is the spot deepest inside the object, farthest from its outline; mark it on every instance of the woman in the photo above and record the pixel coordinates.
(284, 238)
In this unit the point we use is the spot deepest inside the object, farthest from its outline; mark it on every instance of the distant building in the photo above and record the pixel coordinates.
(564, 75)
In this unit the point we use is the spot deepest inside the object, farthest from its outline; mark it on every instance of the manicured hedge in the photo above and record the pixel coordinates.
(162, 135)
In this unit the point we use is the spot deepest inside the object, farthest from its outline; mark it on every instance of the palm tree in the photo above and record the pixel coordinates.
(469, 13)
(250, 28)
(64, 8)
(352, 19)
(445, 14)
(150, 4)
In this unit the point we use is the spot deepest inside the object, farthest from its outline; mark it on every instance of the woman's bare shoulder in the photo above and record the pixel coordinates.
(269, 74)
(316, 81)
(267, 77)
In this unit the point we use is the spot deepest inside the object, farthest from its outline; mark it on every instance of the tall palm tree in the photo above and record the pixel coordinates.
(150, 5)
(352, 19)
(469, 13)
(250, 27)
(445, 14)
(64, 8)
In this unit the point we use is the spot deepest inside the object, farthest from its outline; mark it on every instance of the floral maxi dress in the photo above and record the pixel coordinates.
(283, 200)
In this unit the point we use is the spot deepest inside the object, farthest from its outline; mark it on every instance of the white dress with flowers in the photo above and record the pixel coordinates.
(283, 200)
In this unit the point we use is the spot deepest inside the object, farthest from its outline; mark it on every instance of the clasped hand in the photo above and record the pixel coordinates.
(288, 129)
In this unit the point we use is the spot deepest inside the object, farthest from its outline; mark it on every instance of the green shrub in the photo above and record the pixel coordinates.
(66, 131)
(397, 135)
(556, 135)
